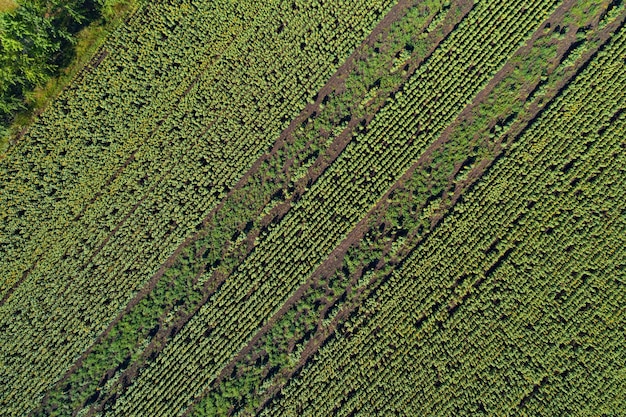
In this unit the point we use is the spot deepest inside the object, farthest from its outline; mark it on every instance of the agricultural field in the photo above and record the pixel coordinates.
(324, 208)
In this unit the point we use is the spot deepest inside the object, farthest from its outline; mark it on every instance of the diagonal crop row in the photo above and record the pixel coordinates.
(569, 189)
(315, 311)
(288, 253)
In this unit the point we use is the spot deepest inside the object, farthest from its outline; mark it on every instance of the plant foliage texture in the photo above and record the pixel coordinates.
(316, 208)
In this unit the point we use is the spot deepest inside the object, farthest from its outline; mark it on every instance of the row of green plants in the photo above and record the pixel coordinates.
(123, 241)
(514, 298)
(170, 193)
(409, 211)
(291, 250)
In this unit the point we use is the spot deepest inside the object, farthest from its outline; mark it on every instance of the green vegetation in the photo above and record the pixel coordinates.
(168, 183)
(537, 268)
(319, 207)
(43, 44)
(405, 219)
(279, 263)
(222, 237)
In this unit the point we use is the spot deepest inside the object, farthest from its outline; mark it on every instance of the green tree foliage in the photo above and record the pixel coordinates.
(37, 39)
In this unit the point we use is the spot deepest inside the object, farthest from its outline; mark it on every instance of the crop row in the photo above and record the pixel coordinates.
(407, 211)
(476, 308)
(252, 199)
(294, 248)
(99, 269)
(74, 148)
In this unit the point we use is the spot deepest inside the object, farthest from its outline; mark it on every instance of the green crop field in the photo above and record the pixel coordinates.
(322, 208)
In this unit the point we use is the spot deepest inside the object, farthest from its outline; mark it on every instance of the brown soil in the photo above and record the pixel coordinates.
(19, 282)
